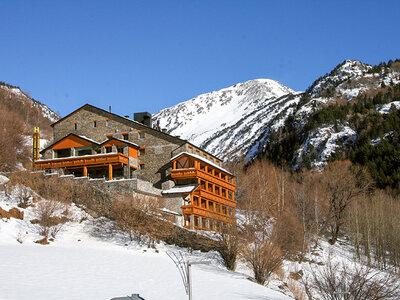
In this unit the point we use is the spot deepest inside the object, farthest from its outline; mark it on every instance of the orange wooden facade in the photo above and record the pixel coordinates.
(107, 162)
(213, 203)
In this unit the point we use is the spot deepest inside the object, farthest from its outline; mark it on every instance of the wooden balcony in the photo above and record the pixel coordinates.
(206, 213)
(80, 161)
(203, 193)
(194, 173)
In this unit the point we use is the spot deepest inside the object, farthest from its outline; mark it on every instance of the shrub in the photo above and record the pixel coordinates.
(49, 218)
(264, 258)
(338, 281)
(228, 246)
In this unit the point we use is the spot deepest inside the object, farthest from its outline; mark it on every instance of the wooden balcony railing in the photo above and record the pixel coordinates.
(203, 212)
(78, 161)
(217, 198)
(193, 173)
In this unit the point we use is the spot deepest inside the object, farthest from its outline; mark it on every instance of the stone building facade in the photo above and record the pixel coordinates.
(91, 141)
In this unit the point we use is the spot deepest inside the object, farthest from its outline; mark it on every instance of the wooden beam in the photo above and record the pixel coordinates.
(110, 172)
(84, 171)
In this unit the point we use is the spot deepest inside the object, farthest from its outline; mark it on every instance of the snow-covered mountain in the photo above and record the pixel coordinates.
(229, 122)
(239, 120)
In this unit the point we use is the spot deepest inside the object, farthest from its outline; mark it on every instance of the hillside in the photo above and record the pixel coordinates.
(352, 112)
(19, 114)
(90, 258)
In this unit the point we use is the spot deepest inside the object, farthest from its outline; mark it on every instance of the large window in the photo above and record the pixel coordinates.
(83, 151)
(62, 153)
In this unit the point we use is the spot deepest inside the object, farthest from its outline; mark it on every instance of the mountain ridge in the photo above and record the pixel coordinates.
(216, 114)
(263, 107)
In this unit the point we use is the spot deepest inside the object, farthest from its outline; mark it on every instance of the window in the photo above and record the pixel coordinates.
(109, 136)
(224, 210)
(141, 166)
(230, 211)
(203, 203)
(109, 122)
(83, 151)
(125, 136)
(230, 194)
(76, 125)
(217, 190)
(108, 149)
(203, 184)
(142, 135)
(142, 151)
(94, 123)
(62, 153)
(223, 193)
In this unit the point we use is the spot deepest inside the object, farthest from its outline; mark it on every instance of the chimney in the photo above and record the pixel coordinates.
(109, 108)
(127, 116)
(144, 118)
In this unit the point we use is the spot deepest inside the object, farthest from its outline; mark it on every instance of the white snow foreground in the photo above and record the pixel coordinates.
(90, 260)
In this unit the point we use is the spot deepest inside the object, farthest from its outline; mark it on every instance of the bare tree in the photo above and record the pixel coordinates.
(336, 281)
(341, 186)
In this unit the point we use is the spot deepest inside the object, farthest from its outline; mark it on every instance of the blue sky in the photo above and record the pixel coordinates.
(148, 55)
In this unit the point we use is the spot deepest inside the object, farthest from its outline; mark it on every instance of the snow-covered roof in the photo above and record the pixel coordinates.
(88, 139)
(181, 189)
(123, 141)
(79, 156)
(203, 160)
(168, 211)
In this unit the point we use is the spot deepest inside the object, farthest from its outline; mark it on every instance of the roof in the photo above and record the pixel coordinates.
(130, 120)
(73, 134)
(90, 140)
(202, 159)
(123, 141)
(181, 189)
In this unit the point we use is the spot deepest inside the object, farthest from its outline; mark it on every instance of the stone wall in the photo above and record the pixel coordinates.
(174, 203)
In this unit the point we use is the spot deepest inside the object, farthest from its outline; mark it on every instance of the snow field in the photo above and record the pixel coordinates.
(91, 260)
